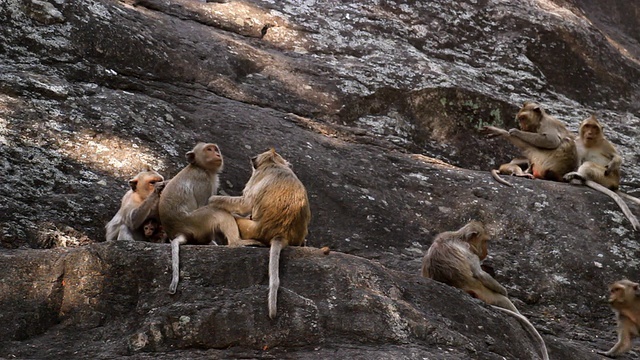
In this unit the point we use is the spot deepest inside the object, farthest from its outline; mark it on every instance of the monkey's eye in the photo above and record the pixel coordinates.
(153, 182)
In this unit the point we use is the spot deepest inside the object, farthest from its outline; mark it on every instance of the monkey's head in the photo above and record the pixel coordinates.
(623, 292)
(206, 156)
(530, 116)
(149, 228)
(476, 235)
(591, 131)
(143, 183)
(268, 158)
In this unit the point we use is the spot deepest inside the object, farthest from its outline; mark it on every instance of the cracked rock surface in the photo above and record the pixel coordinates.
(377, 106)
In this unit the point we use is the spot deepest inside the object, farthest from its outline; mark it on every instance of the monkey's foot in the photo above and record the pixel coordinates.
(606, 353)
(574, 175)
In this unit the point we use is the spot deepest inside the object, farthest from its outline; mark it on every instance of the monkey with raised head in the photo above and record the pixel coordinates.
(512, 168)
(138, 205)
(599, 164)
(624, 298)
(454, 259)
(279, 207)
(543, 140)
(184, 213)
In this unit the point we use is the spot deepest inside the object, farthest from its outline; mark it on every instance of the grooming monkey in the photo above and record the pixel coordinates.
(454, 259)
(624, 298)
(184, 213)
(138, 205)
(543, 140)
(511, 168)
(599, 164)
(279, 208)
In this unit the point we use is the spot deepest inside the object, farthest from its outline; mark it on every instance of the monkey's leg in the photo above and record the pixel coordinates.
(125, 233)
(226, 224)
(629, 197)
(138, 216)
(496, 176)
(527, 324)
(248, 228)
(623, 345)
(274, 275)
(175, 261)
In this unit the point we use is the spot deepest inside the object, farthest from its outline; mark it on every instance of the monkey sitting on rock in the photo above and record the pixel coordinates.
(454, 259)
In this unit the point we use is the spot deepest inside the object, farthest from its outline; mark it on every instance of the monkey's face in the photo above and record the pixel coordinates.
(149, 229)
(529, 117)
(143, 182)
(623, 291)
(207, 156)
(590, 132)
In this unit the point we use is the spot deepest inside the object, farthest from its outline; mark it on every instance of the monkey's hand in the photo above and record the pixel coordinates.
(158, 187)
(492, 131)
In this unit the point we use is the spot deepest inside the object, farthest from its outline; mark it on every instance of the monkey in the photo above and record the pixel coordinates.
(153, 231)
(543, 140)
(511, 168)
(624, 298)
(454, 259)
(599, 164)
(599, 160)
(138, 205)
(184, 213)
(279, 207)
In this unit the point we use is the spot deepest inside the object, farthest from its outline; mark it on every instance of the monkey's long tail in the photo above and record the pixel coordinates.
(633, 199)
(529, 326)
(497, 177)
(175, 262)
(623, 206)
(274, 276)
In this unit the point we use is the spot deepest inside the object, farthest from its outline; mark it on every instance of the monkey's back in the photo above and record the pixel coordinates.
(446, 261)
(281, 206)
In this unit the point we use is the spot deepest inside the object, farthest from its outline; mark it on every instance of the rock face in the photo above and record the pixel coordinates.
(376, 105)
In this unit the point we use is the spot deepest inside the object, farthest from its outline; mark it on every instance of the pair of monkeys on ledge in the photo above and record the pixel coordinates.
(272, 211)
(552, 152)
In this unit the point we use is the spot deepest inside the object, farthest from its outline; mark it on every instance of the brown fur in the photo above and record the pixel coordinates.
(544, 140)
(454, 259)
(184, 213)
(624, 298)
(513, 169)
(600, 165)
(138, 205)
(599, 159)
(279, 208)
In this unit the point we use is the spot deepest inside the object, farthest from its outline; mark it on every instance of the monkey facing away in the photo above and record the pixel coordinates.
(599, 164)
(184, 213)
(624, 298)
(279, 207)
(138, 205)
(454, 259)
(511, 168)
(543, 140)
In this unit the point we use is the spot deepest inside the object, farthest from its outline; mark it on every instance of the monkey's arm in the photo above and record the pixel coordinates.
(232, 204)
(148, 207)
(486, 279)
(544, 140)
(614, 164)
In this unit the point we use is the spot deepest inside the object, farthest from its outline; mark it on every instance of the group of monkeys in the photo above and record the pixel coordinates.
(274, 211)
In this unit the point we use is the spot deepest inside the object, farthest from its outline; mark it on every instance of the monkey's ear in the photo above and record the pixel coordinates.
(133, 183)
(191, 157)
(149, 168)
(470, 235)
(273, 150)
(537, 109)
(254, 162)
(636, 289)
